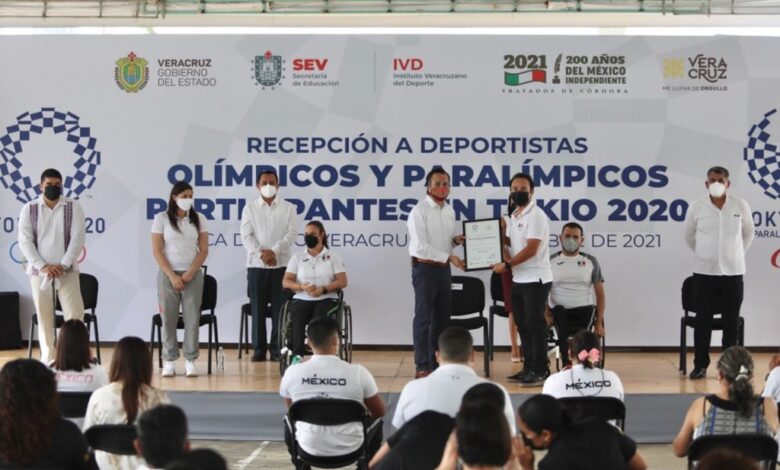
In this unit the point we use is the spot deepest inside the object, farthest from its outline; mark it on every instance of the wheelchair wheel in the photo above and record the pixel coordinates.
(285, 354)
(345, 327)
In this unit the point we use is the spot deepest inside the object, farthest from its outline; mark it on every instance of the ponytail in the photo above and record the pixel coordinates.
(736, 365)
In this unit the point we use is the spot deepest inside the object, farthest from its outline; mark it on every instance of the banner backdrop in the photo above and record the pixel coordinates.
(617, 131)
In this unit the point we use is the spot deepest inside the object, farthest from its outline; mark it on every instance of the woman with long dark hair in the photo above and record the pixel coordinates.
(734, 409)
(180, 243)
(316, 275)
(32, 432)
(74, 367)
(128, 395)
(591, 444)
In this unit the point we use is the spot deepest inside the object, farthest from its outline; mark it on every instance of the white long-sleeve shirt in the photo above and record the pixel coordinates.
(719, 237)
(431, 230)
(50, 248)
(268, 227)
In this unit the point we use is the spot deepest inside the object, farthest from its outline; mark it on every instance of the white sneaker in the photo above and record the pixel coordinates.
(190, 370)
(169, 369)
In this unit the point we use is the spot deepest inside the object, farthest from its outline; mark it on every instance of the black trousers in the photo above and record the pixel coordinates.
(528, 304)
(432, 308)
(568, 320)
(265, 286)
(375, 438)
(304, 311)
(712, 295)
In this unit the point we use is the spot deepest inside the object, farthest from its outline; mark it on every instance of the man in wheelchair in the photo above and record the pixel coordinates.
(326, 376)
(577, 297)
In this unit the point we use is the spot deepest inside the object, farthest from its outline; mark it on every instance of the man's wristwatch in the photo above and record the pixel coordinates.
(508, 265)
(324, 290)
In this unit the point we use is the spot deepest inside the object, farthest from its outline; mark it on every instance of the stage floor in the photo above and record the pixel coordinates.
(640, 372)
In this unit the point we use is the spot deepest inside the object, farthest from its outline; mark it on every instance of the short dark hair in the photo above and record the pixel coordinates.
(573, 225)
(437, 170)
(524, 176)
(455, 344)
(725, 459)
(321, 330)
(544, 412)
(266, 172)
(483, 435)
(50, 173)
(718, 170)
(162, 432)
(485, 393)
(199, 459)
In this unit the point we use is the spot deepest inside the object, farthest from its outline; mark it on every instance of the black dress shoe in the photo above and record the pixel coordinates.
(258, 357)
(698, 374)
(519, 376)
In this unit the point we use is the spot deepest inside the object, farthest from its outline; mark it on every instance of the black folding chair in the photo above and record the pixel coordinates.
(208, 304)
(498, 307)
(74, 404)
(243, 325)
(468, 300)
(759, 447)
(112, 438)
(331, 412)
(689, 320)
(605, 408)
(89, 294)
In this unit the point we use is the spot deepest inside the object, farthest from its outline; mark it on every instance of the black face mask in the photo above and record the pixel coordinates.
(52, 193)
(519, 198)
(530, 443)
(311, 240)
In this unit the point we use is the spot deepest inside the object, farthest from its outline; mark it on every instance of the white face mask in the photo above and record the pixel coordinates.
(717, 189)
(268, 191)
(185, 204)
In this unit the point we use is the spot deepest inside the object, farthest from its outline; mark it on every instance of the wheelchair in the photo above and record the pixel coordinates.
(343, 316)
(553, 350)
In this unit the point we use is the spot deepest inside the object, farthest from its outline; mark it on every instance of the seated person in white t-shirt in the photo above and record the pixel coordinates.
(73, 365)
(584, 378)
(315, 275)
(444, 388)
(576, 278)
(772, 385)
(338, 379)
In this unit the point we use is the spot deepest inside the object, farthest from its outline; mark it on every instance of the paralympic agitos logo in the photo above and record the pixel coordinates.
(775, 259)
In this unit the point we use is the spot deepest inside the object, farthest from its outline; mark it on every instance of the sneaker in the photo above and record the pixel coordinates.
(698, 374)
(190, 370)
(169, 369)
(296, 360)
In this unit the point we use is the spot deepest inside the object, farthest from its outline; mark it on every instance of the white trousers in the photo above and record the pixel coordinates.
(69, 293)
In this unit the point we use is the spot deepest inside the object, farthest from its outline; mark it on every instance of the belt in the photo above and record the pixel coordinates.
(416, 260)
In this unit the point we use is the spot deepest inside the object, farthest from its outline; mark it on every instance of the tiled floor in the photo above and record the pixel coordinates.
(251, 455)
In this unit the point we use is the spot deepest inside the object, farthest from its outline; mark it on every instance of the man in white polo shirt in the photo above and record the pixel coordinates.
(335, 379)
(577, 291)
(268, 230)
(719, 230)
(443, 389)
(432, 237)
(528, 232)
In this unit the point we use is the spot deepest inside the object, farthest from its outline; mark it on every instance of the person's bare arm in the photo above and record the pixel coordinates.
(380, 454)
(684, 437)
(637, 462)
(376, 406)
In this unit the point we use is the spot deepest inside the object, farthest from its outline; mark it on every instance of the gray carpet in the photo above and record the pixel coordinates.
(650, 418)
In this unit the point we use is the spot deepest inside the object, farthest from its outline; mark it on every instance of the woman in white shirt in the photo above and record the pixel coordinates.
(73, 366)
(584, 378)
(180, 246)
(129, 394)
(315, 275)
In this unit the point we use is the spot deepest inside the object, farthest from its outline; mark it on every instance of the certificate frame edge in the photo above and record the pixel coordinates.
(465, 252)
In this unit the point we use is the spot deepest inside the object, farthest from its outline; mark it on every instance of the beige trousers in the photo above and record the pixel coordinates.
(69, 293)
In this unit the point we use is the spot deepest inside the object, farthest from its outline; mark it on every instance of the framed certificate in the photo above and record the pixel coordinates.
(483, 246)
